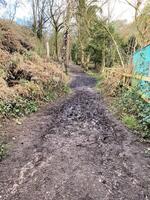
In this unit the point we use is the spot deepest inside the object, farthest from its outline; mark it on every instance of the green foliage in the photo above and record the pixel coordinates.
(143, 25)
(85, 17)
(131, 103)
(96, 46)
(66, 89)
(18, 107)
(75, 53)
(98, 41)
(22, 106)
(49, 96)
(130, 121)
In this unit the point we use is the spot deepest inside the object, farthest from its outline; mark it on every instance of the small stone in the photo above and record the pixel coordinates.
(100, 180)
(104, 181)
(18, 122)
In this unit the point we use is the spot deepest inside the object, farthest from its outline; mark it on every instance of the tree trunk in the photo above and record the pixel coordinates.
(34, 12)
(40, 29)
(67, 52)
(47, 49)
(82, 57)
(56, 44)
(116, 45)
(67, 36)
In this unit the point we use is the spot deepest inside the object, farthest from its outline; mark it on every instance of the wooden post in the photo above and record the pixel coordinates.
(47, 49)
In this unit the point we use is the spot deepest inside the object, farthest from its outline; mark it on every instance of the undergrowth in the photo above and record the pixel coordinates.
(129, 106)
(134, 111)
(18, 107)
(22, 106)
(130, 121)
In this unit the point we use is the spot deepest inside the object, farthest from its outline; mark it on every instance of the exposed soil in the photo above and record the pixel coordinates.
(75, 150)
(14, 75)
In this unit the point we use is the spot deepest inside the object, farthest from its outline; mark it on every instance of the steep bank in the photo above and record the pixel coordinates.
(26, 76)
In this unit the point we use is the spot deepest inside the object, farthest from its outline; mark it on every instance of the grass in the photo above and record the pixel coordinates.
(130, 121)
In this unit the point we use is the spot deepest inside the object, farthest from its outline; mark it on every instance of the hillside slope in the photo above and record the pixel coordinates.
(24, 75)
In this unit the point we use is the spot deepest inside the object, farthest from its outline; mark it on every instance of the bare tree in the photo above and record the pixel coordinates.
(11, 8)
(106, 27)
(3, 2)
(35, 5)
(70, 11)
(13, 11)
(40, 18)
(136, 5)
(56, 13)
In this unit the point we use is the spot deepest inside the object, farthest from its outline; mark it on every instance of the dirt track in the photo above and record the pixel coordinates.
(75, 150)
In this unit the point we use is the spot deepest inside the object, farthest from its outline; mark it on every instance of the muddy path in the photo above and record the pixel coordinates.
(75, 149)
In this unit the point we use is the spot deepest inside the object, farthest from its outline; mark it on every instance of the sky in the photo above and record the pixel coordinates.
(118, 8)
(23, 11)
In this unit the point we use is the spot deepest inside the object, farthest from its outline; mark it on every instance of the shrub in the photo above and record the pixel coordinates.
(24, 105)
(18, 107)
(130, 102)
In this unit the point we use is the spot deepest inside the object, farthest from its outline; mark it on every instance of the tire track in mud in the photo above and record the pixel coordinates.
(75, 150)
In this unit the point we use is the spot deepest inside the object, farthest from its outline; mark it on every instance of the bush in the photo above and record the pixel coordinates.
(131, 103)
(24, 105)
(18, 107)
